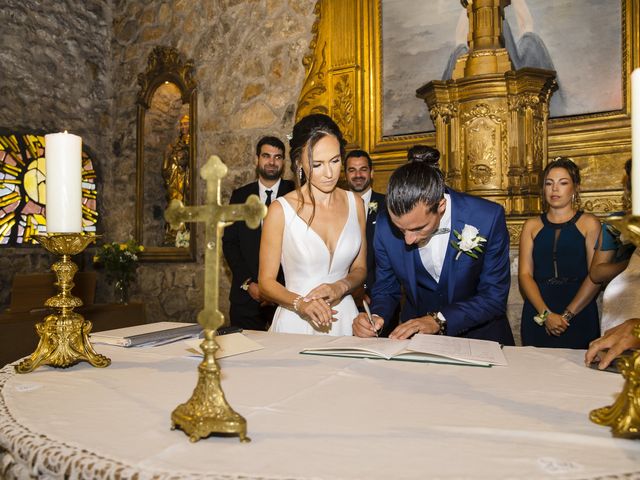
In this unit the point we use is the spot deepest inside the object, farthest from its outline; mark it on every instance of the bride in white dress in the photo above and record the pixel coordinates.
(316, 233)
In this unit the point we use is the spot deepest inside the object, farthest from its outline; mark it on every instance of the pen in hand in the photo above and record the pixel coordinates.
(368, 312)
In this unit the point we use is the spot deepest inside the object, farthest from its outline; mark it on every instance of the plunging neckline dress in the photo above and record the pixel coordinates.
(307, 262)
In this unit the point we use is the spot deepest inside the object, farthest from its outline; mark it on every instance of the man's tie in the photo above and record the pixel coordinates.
(268, 201)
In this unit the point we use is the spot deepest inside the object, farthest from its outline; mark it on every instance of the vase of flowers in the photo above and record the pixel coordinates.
(120, 261)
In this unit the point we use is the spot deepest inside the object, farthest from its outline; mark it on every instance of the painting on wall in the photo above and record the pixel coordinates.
(580, 39)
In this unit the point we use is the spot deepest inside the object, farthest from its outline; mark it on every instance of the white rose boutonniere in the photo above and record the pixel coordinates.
(373, 207)
(469, 241)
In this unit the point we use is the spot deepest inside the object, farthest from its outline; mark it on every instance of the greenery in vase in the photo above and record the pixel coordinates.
(120, 260)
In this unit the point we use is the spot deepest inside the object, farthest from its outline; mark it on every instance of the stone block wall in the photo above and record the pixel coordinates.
(56, 76)
(248, 63)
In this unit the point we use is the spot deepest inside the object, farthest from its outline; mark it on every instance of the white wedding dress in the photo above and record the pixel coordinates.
(620, 300)
(306, 263)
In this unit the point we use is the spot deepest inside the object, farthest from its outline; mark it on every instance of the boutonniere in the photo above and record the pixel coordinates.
(373, 207)
(469, 241)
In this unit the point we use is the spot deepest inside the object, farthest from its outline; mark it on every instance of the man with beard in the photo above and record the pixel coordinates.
(358, 170)
(241, 245)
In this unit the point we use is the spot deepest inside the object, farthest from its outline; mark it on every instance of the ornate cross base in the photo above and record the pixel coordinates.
(64, 335)
(207, 411)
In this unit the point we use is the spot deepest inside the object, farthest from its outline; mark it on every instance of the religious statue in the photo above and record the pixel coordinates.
(175, 172)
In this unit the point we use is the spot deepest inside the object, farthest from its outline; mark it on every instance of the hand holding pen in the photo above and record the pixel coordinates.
(364, 325)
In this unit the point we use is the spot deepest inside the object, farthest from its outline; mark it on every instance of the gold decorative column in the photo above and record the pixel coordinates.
(491, 121)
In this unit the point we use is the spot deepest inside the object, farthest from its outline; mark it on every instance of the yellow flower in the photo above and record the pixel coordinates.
(122, 246)
(95, 259)
(141, 248)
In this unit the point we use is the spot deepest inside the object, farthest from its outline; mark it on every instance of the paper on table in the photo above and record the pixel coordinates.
(229, 345)
(468, 349)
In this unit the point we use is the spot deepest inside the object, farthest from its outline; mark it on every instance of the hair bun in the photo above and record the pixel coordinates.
(424, 154)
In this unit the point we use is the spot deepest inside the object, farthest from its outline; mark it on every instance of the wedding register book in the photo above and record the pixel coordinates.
(420, 348)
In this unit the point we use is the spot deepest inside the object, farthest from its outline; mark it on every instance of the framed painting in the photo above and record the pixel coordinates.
(582, 40)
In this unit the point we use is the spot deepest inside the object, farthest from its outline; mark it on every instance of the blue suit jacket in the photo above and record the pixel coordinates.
(473, 292)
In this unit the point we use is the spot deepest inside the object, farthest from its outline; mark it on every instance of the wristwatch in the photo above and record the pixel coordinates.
(245, 285)
(441, 321)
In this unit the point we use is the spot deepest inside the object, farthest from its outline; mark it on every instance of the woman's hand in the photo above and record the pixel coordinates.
(555, 324)
(330, 292)
(317, 311)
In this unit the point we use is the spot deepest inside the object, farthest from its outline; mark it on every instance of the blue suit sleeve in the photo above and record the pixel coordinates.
(386, 292)
(493, 283)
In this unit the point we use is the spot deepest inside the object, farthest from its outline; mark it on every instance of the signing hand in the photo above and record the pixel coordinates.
(318, 312)
(616, 340)
(426, 324)
(555, 324)
(362, 326)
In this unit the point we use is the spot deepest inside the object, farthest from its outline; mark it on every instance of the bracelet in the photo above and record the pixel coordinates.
(296, 302)
(568, 315)
(541, 317)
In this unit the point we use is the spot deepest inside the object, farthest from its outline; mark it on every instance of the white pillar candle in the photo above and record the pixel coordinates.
(635, 142)
(63, 155)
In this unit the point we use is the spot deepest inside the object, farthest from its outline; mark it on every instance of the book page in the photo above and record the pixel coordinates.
(467, 349)
(382, 347)
(231, 344)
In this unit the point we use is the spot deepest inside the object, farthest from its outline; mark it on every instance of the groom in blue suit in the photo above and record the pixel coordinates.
(447, 250)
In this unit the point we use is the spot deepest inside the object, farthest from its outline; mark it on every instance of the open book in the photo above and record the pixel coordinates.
(420, 348)
(157, 333)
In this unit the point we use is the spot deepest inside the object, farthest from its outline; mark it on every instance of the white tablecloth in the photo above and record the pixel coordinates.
(316, 417)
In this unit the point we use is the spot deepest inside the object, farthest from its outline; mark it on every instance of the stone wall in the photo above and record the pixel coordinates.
(56, 59)
(248, 61)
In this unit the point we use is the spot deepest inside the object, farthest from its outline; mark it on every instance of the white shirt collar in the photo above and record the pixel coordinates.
(433, 253)
(366, 198)
(263, 190)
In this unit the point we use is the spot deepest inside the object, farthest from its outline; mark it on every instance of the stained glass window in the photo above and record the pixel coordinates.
(23, 190)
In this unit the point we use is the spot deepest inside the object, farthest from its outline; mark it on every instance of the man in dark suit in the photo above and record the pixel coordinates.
(358, 170)
(241, 245)
(450, 252)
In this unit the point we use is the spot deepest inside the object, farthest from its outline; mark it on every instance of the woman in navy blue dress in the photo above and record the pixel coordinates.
(556, 250)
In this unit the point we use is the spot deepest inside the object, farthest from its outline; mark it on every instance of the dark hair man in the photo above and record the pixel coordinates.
(450, 252)
(241, 245)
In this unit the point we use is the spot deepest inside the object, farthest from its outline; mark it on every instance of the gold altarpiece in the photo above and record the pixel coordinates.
(344, 80)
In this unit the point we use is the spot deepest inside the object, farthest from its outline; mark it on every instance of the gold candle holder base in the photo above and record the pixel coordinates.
(64, 335)
(624, 415)
(207, 411)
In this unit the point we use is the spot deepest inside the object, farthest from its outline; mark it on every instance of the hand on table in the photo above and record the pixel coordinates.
(426, 324)
(615, 341)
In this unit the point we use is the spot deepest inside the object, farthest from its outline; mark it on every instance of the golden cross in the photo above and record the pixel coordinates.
(207, 411)
(216, 217)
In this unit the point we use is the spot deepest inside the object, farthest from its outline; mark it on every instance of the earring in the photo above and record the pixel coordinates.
(300, 173)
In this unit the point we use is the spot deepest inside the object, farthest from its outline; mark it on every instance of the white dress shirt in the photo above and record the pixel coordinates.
(263, 191)
(366, 198)
(433, 253)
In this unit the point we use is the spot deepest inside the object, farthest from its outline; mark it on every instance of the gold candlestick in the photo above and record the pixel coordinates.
(64, 335)
(624, 415)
